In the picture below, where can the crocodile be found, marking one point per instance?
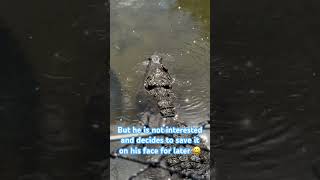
(156, 100)
(158, 83)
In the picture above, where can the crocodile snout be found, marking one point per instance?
(155, 59)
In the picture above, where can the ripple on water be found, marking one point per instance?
(192, 75)
(142, 28)
(258, 132)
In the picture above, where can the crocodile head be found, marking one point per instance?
(158, 84)
(155, 59)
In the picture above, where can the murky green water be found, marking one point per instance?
(180, 32)
(140, 28)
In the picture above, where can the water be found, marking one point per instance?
(266, 74)
(266, 92)
(140, 28)
(265, 129)
(52, 59)
(178, 31)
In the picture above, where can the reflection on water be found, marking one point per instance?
(177, 30)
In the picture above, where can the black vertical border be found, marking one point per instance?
(107, 98)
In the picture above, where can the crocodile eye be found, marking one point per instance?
(149, 59)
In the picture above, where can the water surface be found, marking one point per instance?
(178, 31)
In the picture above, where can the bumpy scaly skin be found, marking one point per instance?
(193, 166)
(158, 83)
(197, 167)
